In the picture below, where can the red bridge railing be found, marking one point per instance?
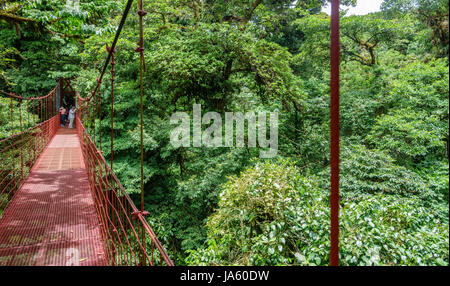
(128, 238)
(18, 153)
(20, 150)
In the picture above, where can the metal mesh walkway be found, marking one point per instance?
(51, 220)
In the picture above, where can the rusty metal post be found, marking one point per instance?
(93, 111)
(113, 62)
(21, 140)
(334, 134)
(99, 84)
(140, 49)
(61, 92)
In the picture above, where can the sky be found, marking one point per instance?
(362, 7)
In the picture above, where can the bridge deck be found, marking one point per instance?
(51, 220)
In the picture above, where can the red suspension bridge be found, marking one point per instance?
(60, 201)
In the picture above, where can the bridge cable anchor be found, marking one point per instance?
(137, 213)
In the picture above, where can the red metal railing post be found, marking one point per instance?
(334, 134)
(140, 49)
(21, 139)
(99, 83)
(113, 62)
(34, 135)
(42, 130)
(94, 110)
(11, 117)
(12, 132)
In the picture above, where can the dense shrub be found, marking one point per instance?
(408, 135)
(369, 172)
(271, 215)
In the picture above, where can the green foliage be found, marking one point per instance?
(369, 172)
(388, 230)
(272, 215)
(407, 135)
(416, 124)
(7, 60)
(437, 175)
(362, 35)
(213, 63)
(10, 123)
(46, 44)
(423, 87)
(432, 13)
(252, 214)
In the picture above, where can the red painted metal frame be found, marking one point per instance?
(15, 96)
(24, 147)
(51, 219)
(334, 134)
(19, 152)
(128, 238)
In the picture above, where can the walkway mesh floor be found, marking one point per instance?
(51, 220)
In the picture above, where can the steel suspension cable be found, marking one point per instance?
(12, 125)
(140, 49)
(113, 62)
(12, 132)
(116, 38)
(94, 110)
(108, 58)
(99, 82)
(21, 139)
(92, 152)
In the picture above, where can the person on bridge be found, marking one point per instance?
(63, 113)
(72, 116)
